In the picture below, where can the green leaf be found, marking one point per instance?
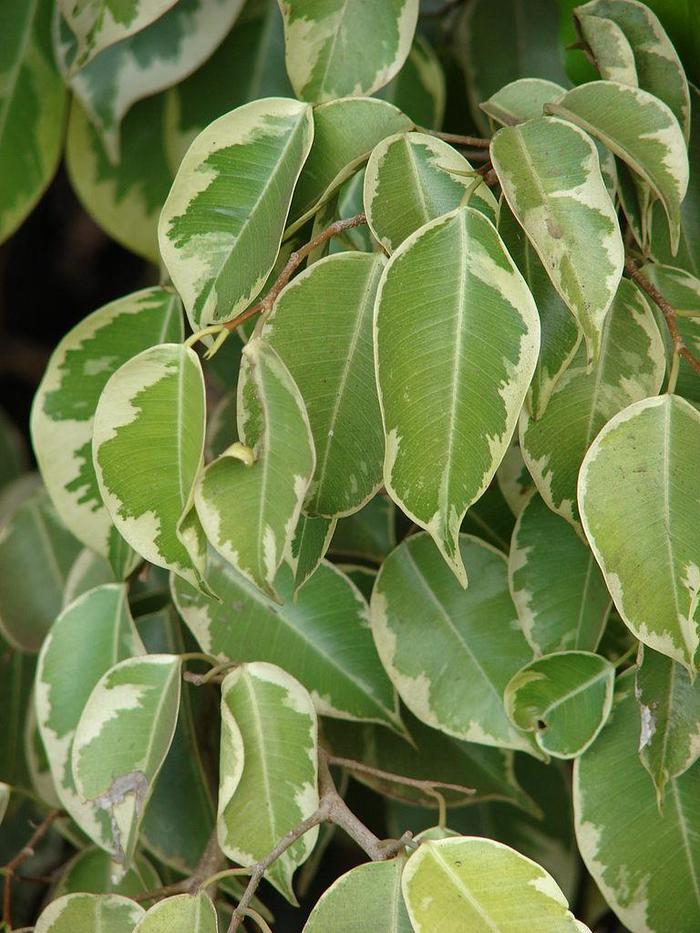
(566, 213)
(345, 132)
(321, 637)
(564, 699)
(268, 727)
(88, 571)
(184, 913)
(219, 259)
(365, 898)
(556, 585)
(669, 705)
(419, 87)
(513, 479)
(32, 110)
(249, 500)
(368, 534)
(16, 684)
(640, 511)
(454, 679)
(641, 130)
(521, 100)
(412, 178)
(646, 864)
(41, 779)
(347, 47)
(607, 45)
(491, 518)
(450, 384)
(64, 406)
(91, 871)
(121, 740)
(308, 547)
(335, 298)
(5, 791)
(484, 887)
(630, 366)
(148, 444)
(78, 913)
(36, 555)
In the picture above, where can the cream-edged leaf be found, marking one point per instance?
(184, 913)
(521, 100)
(308, 547)
(419, 87)
(91, 872)
(80, 913)
(367, 897)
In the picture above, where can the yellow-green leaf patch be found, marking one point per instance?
(80, 913)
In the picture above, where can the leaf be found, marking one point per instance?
(14, 458)
(513, 479)
(560, 335)
(450, 385)
(491, 518)
(143, 64)
(521, 100)
(249, 500)
(368, 534)
(335, 375)
(321, 637)
(419, 87)
(454, 679)
(148, 443)
(412, 178)
(32, 110)
(88, 571)
(641, 130)
(556, 585)
(90, 871)
(308, 547)
(268, 727)
(645, 863)
(366, 897)
(64, 406)
(40, 777)
(219, 259)
(641, 515)
(36, 554)
(16, 684)
(184, 913)
(348, 48)
(5, 791)
(609, 47)
(121, 740)
(630, 366)
(345, 132)
(108, 913)
(483, 885)
(566, 213)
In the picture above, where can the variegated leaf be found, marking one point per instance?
(454, 679)
(91, 872)
(521, 100)
(346, 47)
(121, 740)
(148, 445)
(641, 130)
(609, 47)
(80, 913)
(5, 791)
(184, 913)
(450, 383)
(555, 582)
(419, 87)
(321, 637)
(249, 500)
(412, 178)
(64, 406)
(638, 496)
(269, 726)
(367, 897)
(566, 213)
(308, 547)
(251, 158)
(335, 375)
(630, 366)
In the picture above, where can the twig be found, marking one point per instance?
(476, 142)
(293, 263)
(424, 785)
(10, 870)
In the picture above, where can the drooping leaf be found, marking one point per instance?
(308, 547)
(184, 913)
(630, 366)
(368, 534)
(249, 500)
(108, 913)
(641, 130)
(321, 637)
(367, 897)
(32, 109)
(419, 87)
(484, 886)
(645, 863)
(641, 514)
(148, 444)
(121, 740)
(335, 375)
(347, 47)
(412, 178)
(450, 384)
(90, 871)
(219, 259)
(64, 406)
(521, 100)
(269, 727)
(454, 679)
(566, 213)
(556, 584)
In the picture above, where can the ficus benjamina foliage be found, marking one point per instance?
(359, 585)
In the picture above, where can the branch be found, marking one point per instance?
(293, 263)
(425, 785)
(10, 869)
(679, 347)
(476, 142)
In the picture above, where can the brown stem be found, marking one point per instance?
(668, 312)
(456, 139)
(293, 263)
(424, 785)
(10, 869)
